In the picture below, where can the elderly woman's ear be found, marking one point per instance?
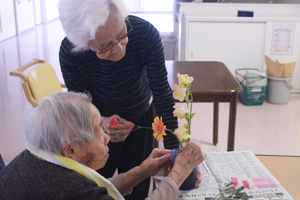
(68, 151)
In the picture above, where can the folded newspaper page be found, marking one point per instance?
(219, 167)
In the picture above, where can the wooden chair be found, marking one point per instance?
(40, 81)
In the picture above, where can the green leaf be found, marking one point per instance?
(193, 115)
(187, 117)
(185, 85)
(185, 140)
(119, 121)
(186, 126)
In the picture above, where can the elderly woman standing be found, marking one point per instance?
(119, 60)
(65, 144)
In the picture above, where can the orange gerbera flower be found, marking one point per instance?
(159, 129)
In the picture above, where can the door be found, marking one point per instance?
(7, 20)
(25, 15)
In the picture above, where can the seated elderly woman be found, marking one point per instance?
(65, 144)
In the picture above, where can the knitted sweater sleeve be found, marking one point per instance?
(117, 181)
(161, 90)
(167, 190)
(69, 67)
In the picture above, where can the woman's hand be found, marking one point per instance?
(119, 132)
(186, 160)
(159, 158)
(198, 177)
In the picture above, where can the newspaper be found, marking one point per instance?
(219, 167)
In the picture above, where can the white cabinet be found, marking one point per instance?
(228, 42)
(7, 20)
(213, 32)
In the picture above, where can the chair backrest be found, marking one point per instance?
(40, 81)
(43, 81)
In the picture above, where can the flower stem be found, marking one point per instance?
(189, 100)
(145, 127)
(136, 128)
(190, 122)
(119, 135)
(139, 127)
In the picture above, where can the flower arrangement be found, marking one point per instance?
(229, 191)
(181, 92)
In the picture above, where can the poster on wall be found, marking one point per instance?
(283, 39)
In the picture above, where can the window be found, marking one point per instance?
(158, 12)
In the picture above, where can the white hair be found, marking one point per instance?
(81, 19)
(59, 119)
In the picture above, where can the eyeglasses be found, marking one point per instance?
(110, 45)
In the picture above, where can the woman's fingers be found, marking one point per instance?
(117, 128)
(198, 177)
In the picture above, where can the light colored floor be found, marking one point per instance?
(268, 129)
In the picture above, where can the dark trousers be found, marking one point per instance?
(130, 153)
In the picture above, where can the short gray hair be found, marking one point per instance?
(59, 119)
(81, 19)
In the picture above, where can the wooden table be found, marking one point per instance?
(214, 83)
(286, 169)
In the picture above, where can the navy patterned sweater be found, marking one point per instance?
(128, 86)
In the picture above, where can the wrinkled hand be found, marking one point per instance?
(186, 160)
(118, 133)
(159, 158)
(198, 177)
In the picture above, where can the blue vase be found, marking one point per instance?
(189, 182)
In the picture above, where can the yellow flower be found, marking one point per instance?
(182, 134)
(179, 111)
(159, 129)
(183, 78)
(179, 92)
